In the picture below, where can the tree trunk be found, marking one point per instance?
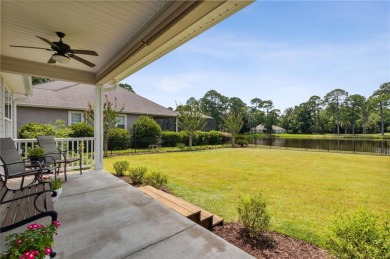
(233, 140)
(353, 128)
(190, 142)
(105, 145)
(382, 119)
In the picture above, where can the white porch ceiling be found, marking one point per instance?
(127, 35)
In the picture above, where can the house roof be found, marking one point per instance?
(259, 127)
(277, 128)
(74, 96)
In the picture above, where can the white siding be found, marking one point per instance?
(6, 110)
(1, 107)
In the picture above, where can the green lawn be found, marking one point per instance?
(305, 190)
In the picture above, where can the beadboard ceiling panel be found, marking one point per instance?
(123, 33)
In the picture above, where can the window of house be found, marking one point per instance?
(121, 122)
(75, 117)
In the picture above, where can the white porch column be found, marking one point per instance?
(177, 124)
(98, 127)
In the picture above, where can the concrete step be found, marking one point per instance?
(207, 219)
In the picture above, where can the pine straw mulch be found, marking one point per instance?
(270, 245)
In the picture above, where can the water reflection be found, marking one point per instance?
(376, 147)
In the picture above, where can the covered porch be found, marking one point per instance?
(104, 217)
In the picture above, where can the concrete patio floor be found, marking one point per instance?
(104, 217)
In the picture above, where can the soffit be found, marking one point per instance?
(127, 35)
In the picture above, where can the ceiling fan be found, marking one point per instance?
(63, 52)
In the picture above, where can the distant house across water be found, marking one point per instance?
(262, 129)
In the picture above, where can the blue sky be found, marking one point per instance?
(284, 51)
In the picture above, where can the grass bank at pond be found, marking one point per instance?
(305, 190)
(335, 136)
(326, 136)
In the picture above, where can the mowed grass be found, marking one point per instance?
(305, 190)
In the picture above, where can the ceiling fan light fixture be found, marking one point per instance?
(63, 59)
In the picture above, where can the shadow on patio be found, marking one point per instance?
(104, 217)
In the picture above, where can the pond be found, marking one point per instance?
(372, 147)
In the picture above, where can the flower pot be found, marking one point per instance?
(40, 159)
(59, 191)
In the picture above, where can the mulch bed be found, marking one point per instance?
(270, 245)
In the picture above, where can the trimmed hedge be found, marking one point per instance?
(145, 132)
(171, 138)
(81, 130)
(118, 139)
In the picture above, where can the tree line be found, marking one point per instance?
(336, 112)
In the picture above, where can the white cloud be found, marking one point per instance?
(286, 73)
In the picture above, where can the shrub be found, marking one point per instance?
(225, 137)
(118, 139)
(121, 167)
(253, 214)
(156, 179)
(181, 146)
(360, 235)
(137, 175)
(202, 137)
(81, 129)
(33, 130)
(215, 137)
(145, 131)
(242, 141)
(171, 138)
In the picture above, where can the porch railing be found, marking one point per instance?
(85, 146)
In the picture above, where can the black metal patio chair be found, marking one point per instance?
(13, 166)
(54, 155)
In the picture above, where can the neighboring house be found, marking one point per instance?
(10, 85)
(261, 129)
(60, 100)
(258, 129)
(278, 130)
(210, 125)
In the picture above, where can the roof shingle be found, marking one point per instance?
(68, 95)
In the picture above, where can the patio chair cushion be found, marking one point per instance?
(10, 156)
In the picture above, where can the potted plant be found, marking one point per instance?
(35, 243)
(56, 185)
(36, 154)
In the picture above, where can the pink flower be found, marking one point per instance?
(48, 250)
(32, 226)
(30, 254)
(57, 224)
(19, 241)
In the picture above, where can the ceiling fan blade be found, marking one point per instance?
(49, 42)
(51, 61)
(15, 46)
(82, 60)
(85, 52)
